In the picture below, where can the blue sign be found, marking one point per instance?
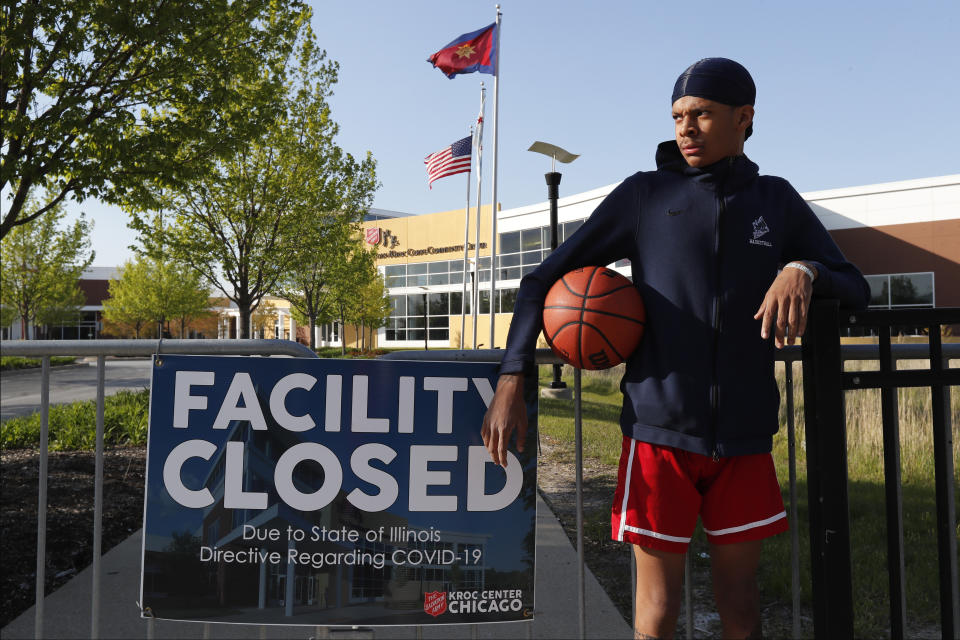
(333, 492)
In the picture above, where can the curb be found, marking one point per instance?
(59, 367)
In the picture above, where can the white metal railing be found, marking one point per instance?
(103, 348)
(44, 349)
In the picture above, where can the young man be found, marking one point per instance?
(725, 260)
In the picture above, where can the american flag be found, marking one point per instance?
(449, 160)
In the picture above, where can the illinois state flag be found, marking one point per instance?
(475, 51)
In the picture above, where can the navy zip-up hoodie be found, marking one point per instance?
(704, 245)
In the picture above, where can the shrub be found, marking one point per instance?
(74, 426)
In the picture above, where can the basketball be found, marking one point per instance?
(593, 318)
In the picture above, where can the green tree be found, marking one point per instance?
(158, 291)
(263, 317)
(372, 307)
(321, 256)
(41, 266)
(244, 225)
(347, 279)
(334, 193)
(110, 99)
(127, 304)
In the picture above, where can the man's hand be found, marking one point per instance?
(786, 302)
(507, 412)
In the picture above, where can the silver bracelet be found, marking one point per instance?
(801, 267)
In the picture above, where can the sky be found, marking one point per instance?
(848, 93)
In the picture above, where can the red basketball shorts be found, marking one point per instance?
(661, 491)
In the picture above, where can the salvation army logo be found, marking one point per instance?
(373, 235)
(435, 602)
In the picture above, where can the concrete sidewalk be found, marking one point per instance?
(67, 611)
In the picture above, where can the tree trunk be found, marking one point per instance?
(343, 333)
(313, 332)
(243, 330)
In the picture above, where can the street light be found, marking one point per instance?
(553, 194)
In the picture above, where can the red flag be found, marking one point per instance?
(475, 51)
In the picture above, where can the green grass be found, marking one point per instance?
(14, 362)
(602, 438)
(73, 426)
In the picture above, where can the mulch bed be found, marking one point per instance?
(70, 496)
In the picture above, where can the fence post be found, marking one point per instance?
(827, 473)
(943, 478)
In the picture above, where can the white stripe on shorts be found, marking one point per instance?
(626, 492)
(744, 527)
(654, 534)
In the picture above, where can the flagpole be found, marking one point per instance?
(466, 249)
(493, 203)
(475, 285)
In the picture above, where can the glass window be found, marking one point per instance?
(456, 278)
(531, 257)
(401, 323)
(879, 290)
(546, 235)
(513, 273)
(901, 290)
(439, 304)
(528, 269)
(437, 267)
(415, 334)
(398, 305)
(439, 334)
(415, 322)
(508, 298)
(395, 275)
(415, 304)
(485, 262)
(439, 278)
(569, 228)
(456, 266)
(456, 299)
(512, 260)
(416, 269)
(485, 275)
(485, 301)
(416, 281)
(510, 242)
(911, 289)
(439, 322)
(530, 239)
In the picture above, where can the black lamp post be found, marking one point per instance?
(553, 194)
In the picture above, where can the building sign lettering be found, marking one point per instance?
(332, 492)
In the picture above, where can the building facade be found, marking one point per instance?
(904, 236)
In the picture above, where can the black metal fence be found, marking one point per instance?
(824, 385)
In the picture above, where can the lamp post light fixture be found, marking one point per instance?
(553, 194)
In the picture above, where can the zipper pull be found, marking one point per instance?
(716, 456)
